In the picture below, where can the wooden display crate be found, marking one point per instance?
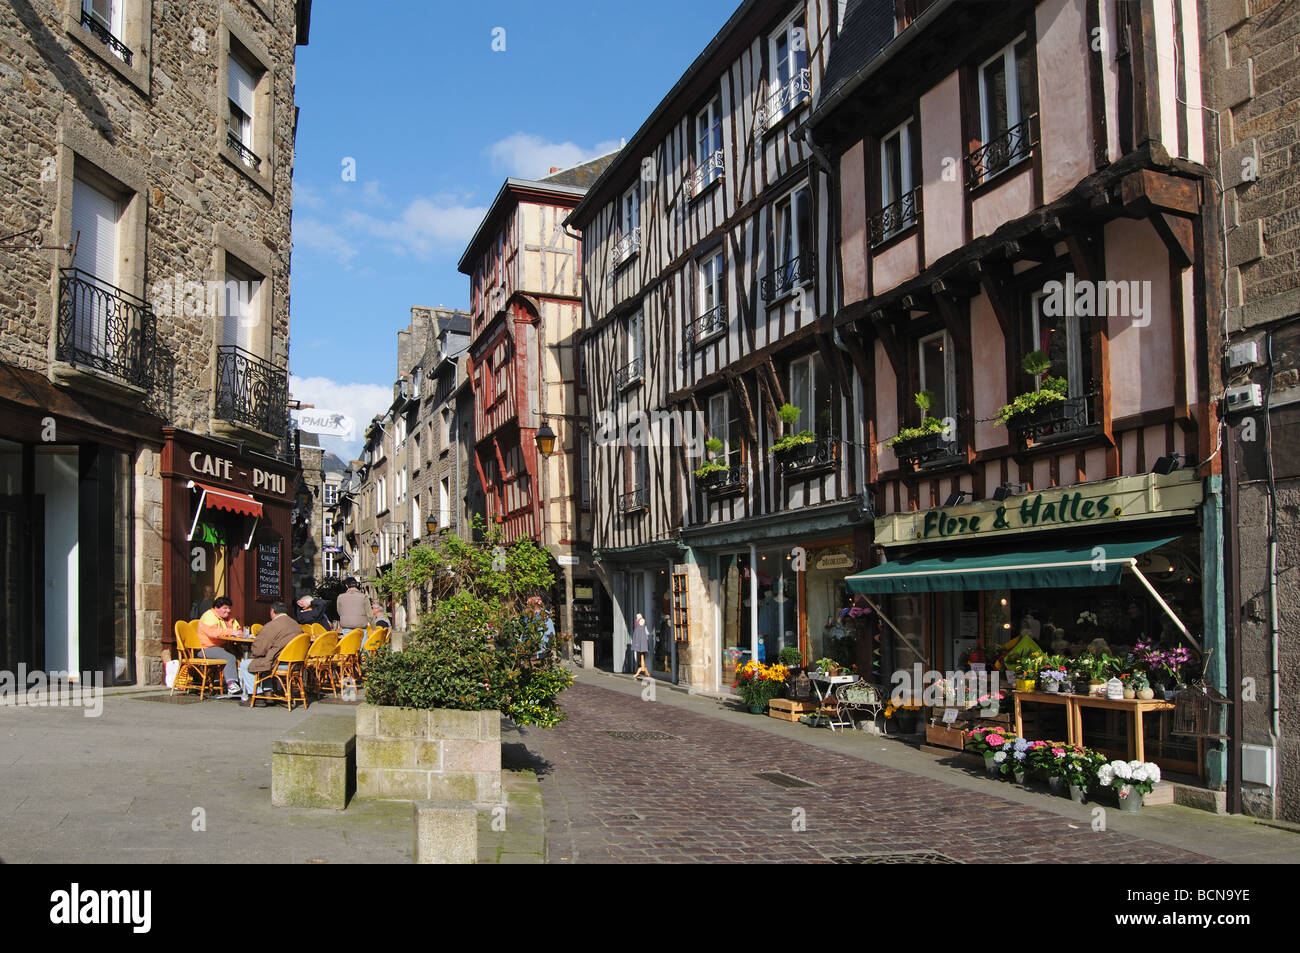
(945, 737)
(789, 709)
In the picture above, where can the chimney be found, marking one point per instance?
(554, 169)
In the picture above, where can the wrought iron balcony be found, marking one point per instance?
(251, 391)
(105, 36)
(720, 483)
(930, 450)
(629, 375)
(787, 276)
(782, 101)
(705, 174)
(246, 155)
(626, 247)
(896, 216)
(821, 454)
(708, 325)
(1003, 152)
(105, 329)
(634, 501)
(1055, 421)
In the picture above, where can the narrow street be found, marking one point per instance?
(675, 781)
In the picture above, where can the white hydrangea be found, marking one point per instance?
(1000, 757)
(1139, 770)
(1122, 770)
(1153, 772)
(1105, 775)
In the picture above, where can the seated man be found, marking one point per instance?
(312, 610)
(214, 626)
(270, 642)
(380, 619)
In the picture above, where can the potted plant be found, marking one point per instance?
(987, 743)
(828, 666)
(791, 441)
(1130, 781)
(1039, 407)
(711, 470)
(926, 441)
(757, 684)
(1089, 670)
(790, 657)
(1078, 766)
(1164, 665)
(1051, 677)
(1049, 762)
(1142, 687)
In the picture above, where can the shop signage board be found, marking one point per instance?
(1090, 504)
(268, 570)
(567, 560)
(835, 561)
(206, 461)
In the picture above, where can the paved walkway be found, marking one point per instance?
(614, 792)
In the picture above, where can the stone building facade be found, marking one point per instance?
(144, 319)
(1250, 64)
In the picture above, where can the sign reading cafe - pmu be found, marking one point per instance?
(1108, 501)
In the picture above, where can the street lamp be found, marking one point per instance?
(546, 446)
(431, 525)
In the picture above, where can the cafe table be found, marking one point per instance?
(1074, 705)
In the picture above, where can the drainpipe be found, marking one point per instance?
(1275, 688)
(753, 601)
(1232, 563)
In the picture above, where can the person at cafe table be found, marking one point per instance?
(270, 642)
(215, 626)
(313, 610)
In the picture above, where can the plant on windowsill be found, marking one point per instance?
(789, 415)
(1052, 391)
(711, 470)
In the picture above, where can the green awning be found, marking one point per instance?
(1046, 567)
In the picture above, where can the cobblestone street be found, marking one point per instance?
(616, 794)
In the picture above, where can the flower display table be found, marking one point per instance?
(1074, 705)
(830, 682)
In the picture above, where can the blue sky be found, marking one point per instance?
(434, 120)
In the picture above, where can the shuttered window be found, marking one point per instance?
(95, 217)
(242, 86)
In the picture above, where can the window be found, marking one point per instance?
(897, 204)
(1064, 339)
(381, 495)
(938, 374)
(708, 144)
(810, 391)
(446, 429)
(444, 503)
(242, 88)
(788, 53)
(711, 277)
(95, 228)
(584, 470)
(329, 565)
(724, 425)
(792, 244)
(633, 351)
(242, 306)
(630, 219)
(104, 19)
(1006, 101)
(331, 494)
(417, 524)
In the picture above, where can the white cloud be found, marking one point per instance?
(319, 236)
(529, 156)
(361, 402)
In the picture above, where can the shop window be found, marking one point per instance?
(681, 608)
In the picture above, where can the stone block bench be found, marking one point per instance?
(446, 832)
(314, 763)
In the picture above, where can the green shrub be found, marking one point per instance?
(790, 657)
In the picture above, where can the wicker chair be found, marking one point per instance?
(287, 673)
(195, 671)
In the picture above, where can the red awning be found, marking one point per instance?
(232, 501)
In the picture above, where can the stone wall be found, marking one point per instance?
(408, 754)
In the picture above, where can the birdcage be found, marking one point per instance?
(1196, 711)
(801, 688)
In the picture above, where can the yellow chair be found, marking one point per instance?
(255, 628)
(317, 630)
(320, 662)
(195, 671)
(347, 657)
(374, 640)
(288, 671)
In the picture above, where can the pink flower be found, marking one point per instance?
(995, 739)
(1058, 751)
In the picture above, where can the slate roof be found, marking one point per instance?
(867, 29)
(583, 174)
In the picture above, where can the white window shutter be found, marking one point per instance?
(241, 87)
(95, 215)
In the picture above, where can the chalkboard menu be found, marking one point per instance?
(268, 570)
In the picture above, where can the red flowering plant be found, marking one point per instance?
(987, 740)
(758, 684)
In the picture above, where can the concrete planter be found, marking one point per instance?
(408, 754)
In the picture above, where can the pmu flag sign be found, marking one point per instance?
(324, 422)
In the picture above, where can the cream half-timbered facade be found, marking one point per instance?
(708, 297)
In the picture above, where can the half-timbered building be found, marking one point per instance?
(1027, 247)
(709, 294)
(526, 282)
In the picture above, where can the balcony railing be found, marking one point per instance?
(633, 501)
(720, 483)
(1002, 152)
(930, 450)
(786, 277)
(1055, 421)
(251, 391)
(626, 247)
(246, 155)
(105, 329)
(708, 325)
(630, 374)
(782, 101)
(896, 216)
(105, 36)
(822, 454)
(705, 174)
